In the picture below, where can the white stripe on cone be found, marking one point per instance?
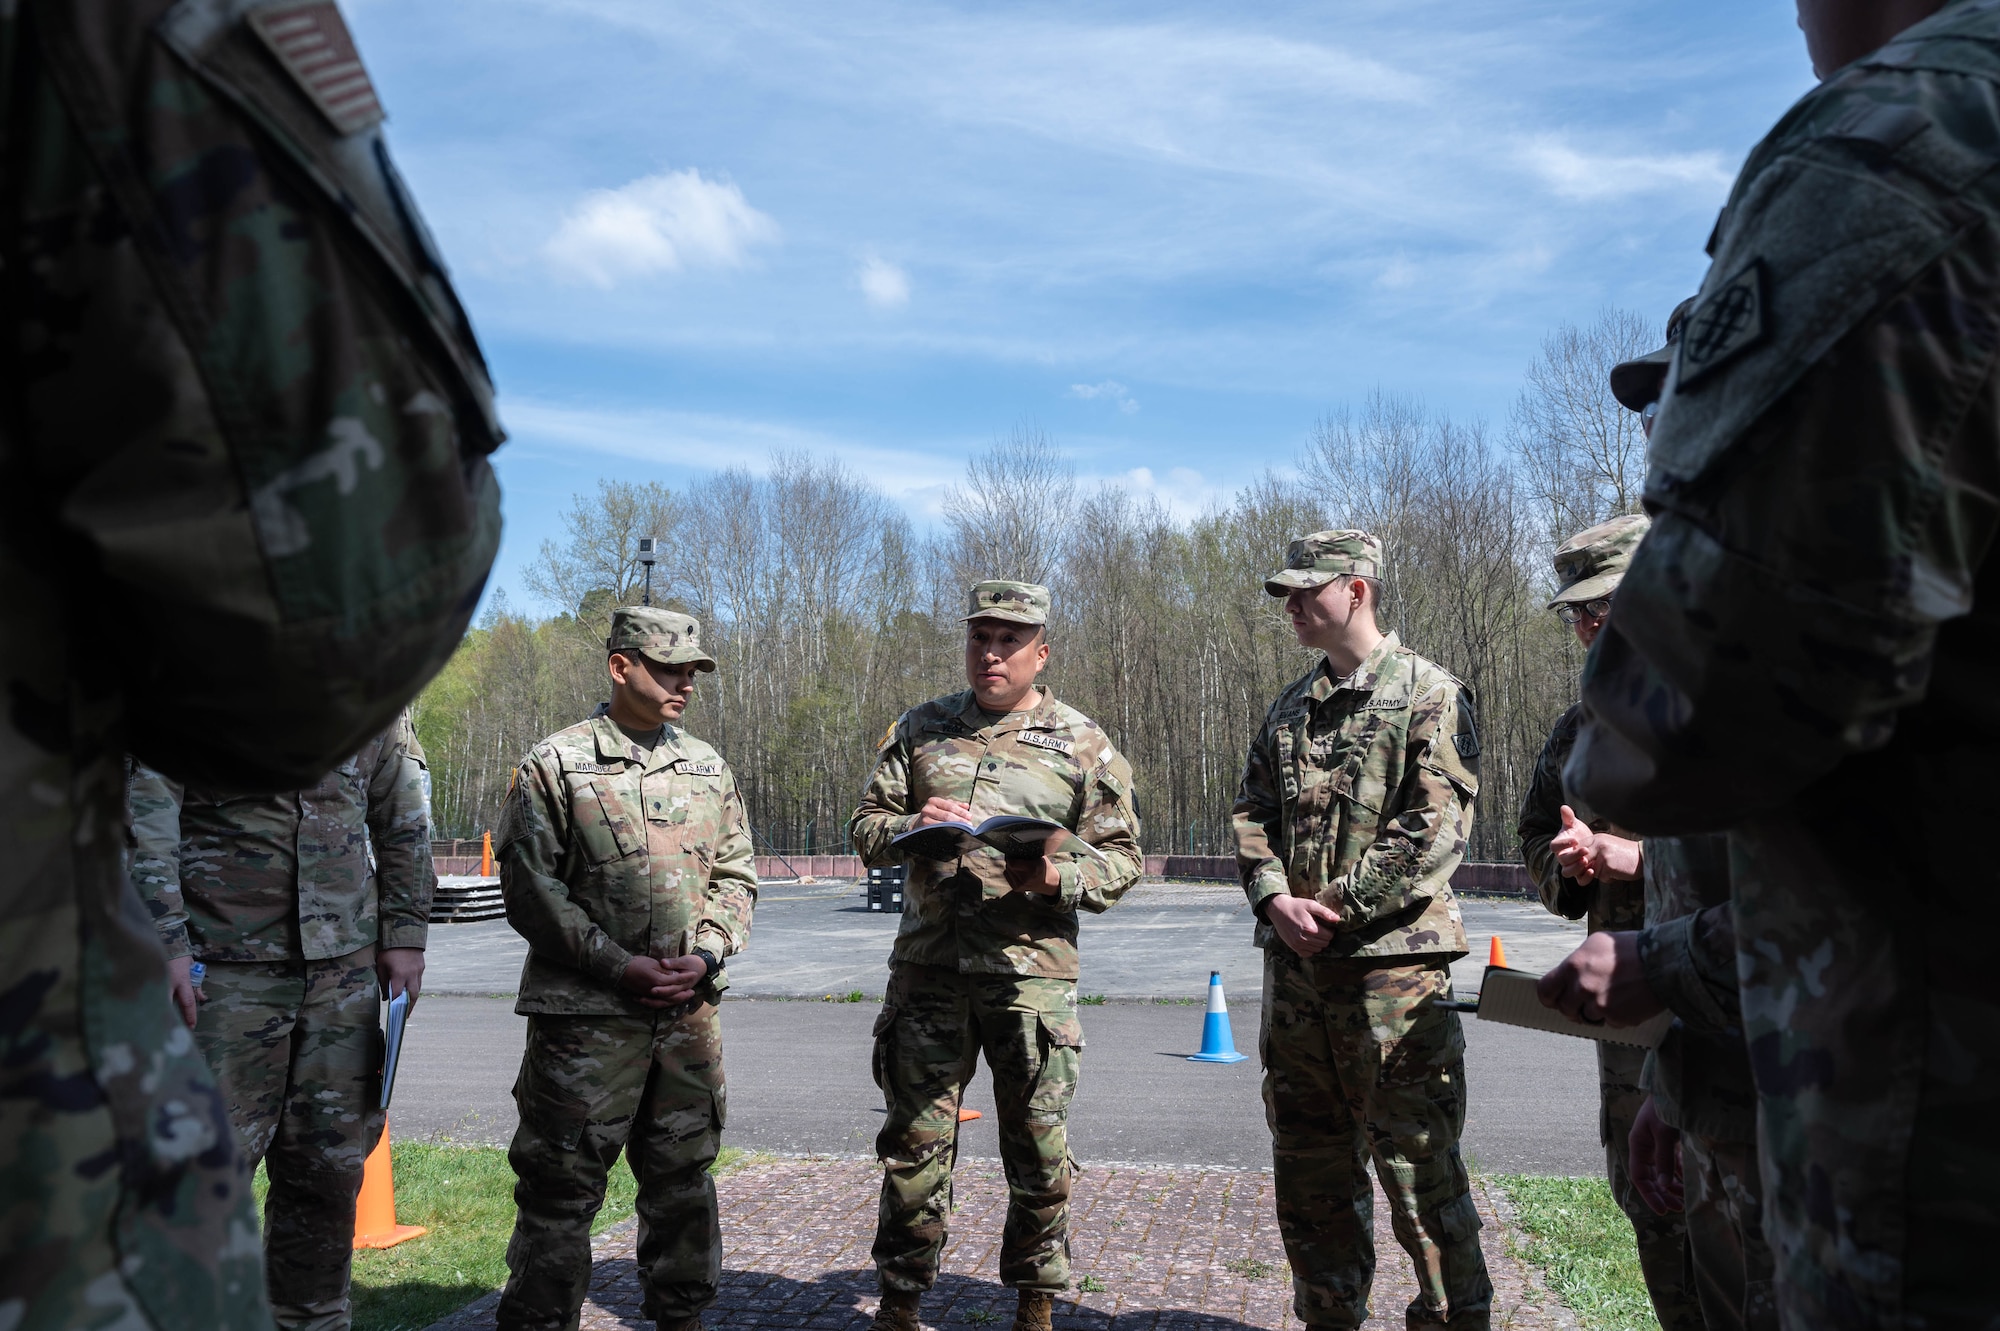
(1216, 1002)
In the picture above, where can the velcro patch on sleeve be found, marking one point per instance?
(1725, 325)
(1043, 740)
(311, 41)
(1467, 744)
(689, 767)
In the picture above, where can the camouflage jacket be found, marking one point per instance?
(1050, 762)
(309, 875)
(1699, 1074)
(1359, 793)
(1819, 450)
(243, 450)
(1609, 904)
(608, 851)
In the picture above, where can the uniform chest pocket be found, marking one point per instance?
(606, 828)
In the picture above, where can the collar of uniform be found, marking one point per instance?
(1042, 716)
(613, 743)
(1365, 677)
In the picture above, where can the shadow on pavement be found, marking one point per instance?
(753, 1298)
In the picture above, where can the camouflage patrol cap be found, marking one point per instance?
(1591, 562)
(662, 635)
(1640, 381)
(1315, 560)
(1015, 602)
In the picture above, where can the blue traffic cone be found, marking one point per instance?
(1217, 1044)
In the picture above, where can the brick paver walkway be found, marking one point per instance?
(1153, 1248)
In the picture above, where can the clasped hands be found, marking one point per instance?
(1588, 856)
(1032, 874)
(663, 982)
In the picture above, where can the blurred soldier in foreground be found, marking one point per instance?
(1802, 652)
(1354, 809)
(1585, 865)
(275, 895)
(985, 960)
(1693, 1149)
(244, 514)
(625, 862)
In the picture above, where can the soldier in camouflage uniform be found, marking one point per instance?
(276, 895)
(1355, 806)
(625, 861)
(1586, 866)
(244, 514)
(1802, 653)
(986, 959)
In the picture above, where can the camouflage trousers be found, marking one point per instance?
(933, 1026)
(297, 1046)
(590, 1087)
(1662, 1239)
(1874, 1038)
(123, 1199)
(1358, 1062)
(1724, 1205)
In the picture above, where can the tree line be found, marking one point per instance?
(830, 614)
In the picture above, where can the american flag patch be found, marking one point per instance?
(312, 42)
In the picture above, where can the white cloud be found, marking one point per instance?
(1109, 391)
(1575, 174)
(886, 286)
(1183, 491)
(658, 224)
(702, 441)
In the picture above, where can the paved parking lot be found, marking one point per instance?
(798, 1070)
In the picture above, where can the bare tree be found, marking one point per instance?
(1013, 516)
(597, 568)
(1582, 454)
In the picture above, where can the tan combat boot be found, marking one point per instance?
(1037, 1306)
(898, 1311)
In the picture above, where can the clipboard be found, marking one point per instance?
(392, 1043)
(1508, 997)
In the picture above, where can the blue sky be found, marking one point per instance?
(1171, 235)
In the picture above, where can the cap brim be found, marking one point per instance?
(1286, 582)
(1006, 616)
(1637, 382)
(1590, 589)
(699, 660)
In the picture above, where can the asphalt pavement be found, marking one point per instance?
(798, 1068)
(1161, 941)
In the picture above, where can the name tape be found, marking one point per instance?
(1042, 740)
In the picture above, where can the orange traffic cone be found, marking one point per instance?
(486, 855)
(375, 1211)
(1496, 955)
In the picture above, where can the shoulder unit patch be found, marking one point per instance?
(312, 42)
(1727, 323)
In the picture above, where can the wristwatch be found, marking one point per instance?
(710, 960)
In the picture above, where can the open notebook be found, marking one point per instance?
(1509, 996)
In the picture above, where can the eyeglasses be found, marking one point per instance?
(1597, 609)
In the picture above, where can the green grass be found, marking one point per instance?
(1091, 1000)
(1574, 1231)
(465, 1194)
